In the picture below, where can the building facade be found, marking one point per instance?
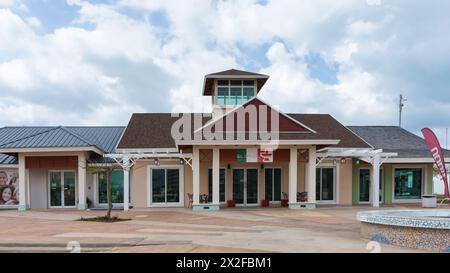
(244, 153)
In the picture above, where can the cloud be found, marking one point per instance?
(115, 58)
(33, 22)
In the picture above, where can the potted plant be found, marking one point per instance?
(231, 203)
(265, 203)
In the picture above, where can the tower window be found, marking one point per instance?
(234, 92)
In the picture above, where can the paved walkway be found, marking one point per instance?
(326, 229)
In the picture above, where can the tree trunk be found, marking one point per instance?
(108, 193)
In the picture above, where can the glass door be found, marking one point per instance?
(252, 187)
(245, 186)
(273, 184)
(364, 186)
(55, 189)
(325, 184)
(69, 189)
(165, 188)
(62, 189)
(238, 186)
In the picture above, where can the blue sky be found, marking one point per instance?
(81, 62)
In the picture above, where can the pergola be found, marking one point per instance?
(127, 160)
(374, 157)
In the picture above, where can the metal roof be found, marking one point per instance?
(8, 160)
(394, 139)
(104, 138)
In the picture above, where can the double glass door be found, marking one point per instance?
(245, 186)
(62, 189)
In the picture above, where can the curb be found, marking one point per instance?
(90, 245)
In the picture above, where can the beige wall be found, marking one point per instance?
(345, 183)
(139, 184)
(140, 178)
(139, 181)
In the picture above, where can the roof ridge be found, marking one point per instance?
(77, 136)
(32, 135)
(82, 138)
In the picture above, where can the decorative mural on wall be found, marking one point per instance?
(9, 187)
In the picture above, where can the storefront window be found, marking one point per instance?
(165, 186)
(408, 183)
(116, 188)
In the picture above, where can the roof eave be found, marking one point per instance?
(260, 142)
(52, 149)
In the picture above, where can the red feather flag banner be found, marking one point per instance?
(436, 152)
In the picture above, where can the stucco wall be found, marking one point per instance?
(345, 183)
(38, 188)
(139, 179)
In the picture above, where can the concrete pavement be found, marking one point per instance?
(326, 229)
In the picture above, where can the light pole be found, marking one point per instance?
(400, 107)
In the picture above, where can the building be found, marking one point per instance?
(244, 153)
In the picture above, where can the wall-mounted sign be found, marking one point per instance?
(254, 155)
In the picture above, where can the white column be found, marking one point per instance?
(126, 185)
(216, 176)
(196, 175)
(293, 176)
(311, 179)
(82, 181)
(376, 181)
(22, 183)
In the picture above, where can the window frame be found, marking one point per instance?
(149, 189)
(423, 184)
(225, 184)
(273, 188)
(97, 191)
(237, 101)
(335, 183)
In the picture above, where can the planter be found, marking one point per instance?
(284, 202)
(429, 201)
(231, 203)
(265, 203)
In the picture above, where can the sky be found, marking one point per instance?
(75, 62)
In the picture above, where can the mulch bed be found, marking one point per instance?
(103, 219)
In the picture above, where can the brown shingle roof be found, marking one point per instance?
(328, 127)
(235, 72)
(153, 131)
(209, 79)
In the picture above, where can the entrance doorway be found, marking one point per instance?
(364, 186)
(62, 189)
(245, 187)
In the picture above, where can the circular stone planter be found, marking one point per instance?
(422, 229)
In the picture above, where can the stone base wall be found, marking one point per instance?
(420, 238)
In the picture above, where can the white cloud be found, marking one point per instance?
(110, 62)
(7, 3)
(373, 2)
(343, 53)
(33, 22)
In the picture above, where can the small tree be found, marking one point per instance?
(107, 169)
